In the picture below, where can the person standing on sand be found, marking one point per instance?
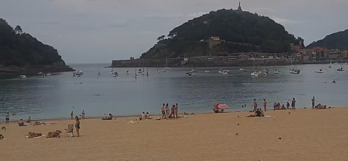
(313, 102)
(7, 117)
(264, 104)
(176, 110)
(163, 111)
(83, 114)
(293, 103)
(255, 105)
(172, 112)
(72, 114)
(77, 125)
(287, 105)
(167, 111)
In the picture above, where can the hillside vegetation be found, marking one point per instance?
(338, 40)
(21, 51)
(239, 31)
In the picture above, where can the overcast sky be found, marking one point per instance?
(97, 31)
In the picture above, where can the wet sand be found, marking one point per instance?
(303, 134)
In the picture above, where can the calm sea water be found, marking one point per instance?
(57, 95)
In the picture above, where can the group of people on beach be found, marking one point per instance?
(82, 115)
(169, 113)
(144, 116)
(276, 106)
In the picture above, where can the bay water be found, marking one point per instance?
(98, 92)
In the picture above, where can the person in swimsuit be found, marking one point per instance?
(163, 111)
(77, 125)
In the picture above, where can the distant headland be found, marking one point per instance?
(231, 38)
(20, 53)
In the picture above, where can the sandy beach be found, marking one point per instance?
(302, 134)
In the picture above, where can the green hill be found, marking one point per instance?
(338, 40)
(22, 53)
(239, 31)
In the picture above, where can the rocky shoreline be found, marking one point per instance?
(13, 71)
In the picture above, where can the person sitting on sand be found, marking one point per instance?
(283, 107)
(107, 117)
(319, 106)
(216, 109)
(110, 116)
(21, 123)
(142, 116)
(258, 113)
(147, 116)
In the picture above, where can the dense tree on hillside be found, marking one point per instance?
(251, 31)
(21, 49)
(338, 40)
(18, 29)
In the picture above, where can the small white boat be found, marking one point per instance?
(254, 74)
(224, 71)
(276, 71)
(190, 73)
(340, 69)
(77, 73)
(319, 71)
(127, 72)
(23, 76)
(295, 71)
(194, 70)
(242, 70)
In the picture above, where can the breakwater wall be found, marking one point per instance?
(212, 61)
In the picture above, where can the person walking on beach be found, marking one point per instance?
(7, 117)
(293, 103)
(264, 104)
(77, 125)
(255, 105)
(163, 111)
(313, 102)
(72, 114)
